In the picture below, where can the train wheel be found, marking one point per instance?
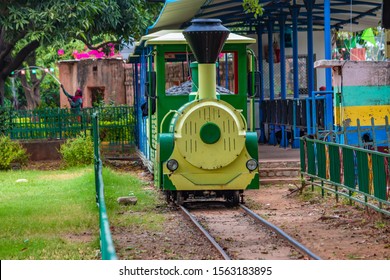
(167, 195)
(233, 198)
(179, 198)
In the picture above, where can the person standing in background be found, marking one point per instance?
(76, 101)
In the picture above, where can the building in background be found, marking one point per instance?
(107, 80)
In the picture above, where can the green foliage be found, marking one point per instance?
(11, 153)
(5, 120)
(252, 6)
(78, 151)
(27, 25)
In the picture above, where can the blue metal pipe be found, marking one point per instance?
(271, 61)
(272, 136)
(259, 31)
(282, 22)
(295, 13)
(310, 51)
(308, 116)
(328, 71)
(283, 93)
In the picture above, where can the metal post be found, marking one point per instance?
(374, 134)
(226, 71)
(328, 71)
(259, 31)
(310, 75)
(328, 43)
(271, 60)
(282, 22)
(295, 12)
(308, 117)
(272, 136)
(387, 133)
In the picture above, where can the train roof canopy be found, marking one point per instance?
(178, 38)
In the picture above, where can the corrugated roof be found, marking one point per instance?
(174, 12)
(349, 15)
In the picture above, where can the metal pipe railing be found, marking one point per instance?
(107, 248)
(363, 173)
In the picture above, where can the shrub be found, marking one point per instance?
(11, 152)
(78, 151)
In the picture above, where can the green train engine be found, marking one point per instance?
(200, 145)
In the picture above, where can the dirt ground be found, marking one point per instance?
(331, 231)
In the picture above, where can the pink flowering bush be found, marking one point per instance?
(86, 53)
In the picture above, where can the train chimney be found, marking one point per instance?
(206, 38)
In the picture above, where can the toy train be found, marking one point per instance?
(197, 141)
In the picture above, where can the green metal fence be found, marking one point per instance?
(360, 175)
(107, 248)
(117, 124)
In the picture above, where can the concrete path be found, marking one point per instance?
(269, 153)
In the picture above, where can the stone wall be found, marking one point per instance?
(43, 149)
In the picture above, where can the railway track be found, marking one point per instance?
(239, 233)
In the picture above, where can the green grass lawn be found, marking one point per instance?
(51, 216)
(54, 215)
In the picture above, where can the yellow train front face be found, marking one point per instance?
(211, 149)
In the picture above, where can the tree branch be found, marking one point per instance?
(102, 45)
(20, 57)
(37, 81)
(4, 51)
(25, 84)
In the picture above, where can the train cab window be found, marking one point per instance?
(178, 75)
(226, 73)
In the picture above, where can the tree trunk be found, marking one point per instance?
(31, 90)
(9, 62)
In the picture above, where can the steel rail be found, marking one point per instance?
(206, 234)
(284, 235)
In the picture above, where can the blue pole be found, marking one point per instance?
(141, 101)
(310, 52)
(259, 31)
(272, 136)
(328, 43)
(137, 105)
(282, 21)
(271, 61)
(295, 13)
(328, 71)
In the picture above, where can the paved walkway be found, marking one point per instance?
(268, 153)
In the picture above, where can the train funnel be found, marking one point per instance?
(206, 38)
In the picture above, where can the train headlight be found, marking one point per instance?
(252, 164)
(172, 164)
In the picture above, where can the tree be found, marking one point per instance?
(25, 25)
